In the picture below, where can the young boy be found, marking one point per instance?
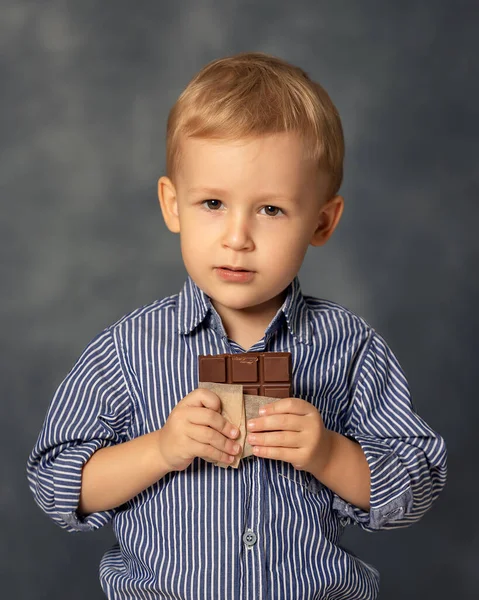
(254, 164)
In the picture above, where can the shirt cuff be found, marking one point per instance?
(391, 496)
(67, 475)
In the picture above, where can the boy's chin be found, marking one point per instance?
(236, 299)
(242, 301)
(233, 303)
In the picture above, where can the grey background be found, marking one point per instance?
(85, 92)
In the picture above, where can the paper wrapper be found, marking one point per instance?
(237, 409)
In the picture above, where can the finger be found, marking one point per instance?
(203, 397)
(292, 406)
(281, 422)
(276, 453)
(210, 418)
(211, 454)
(282, 439)
(207, 435)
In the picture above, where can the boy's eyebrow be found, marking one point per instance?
(218, 192)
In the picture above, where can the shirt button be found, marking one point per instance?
(249, 538)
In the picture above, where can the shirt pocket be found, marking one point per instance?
(306, 482)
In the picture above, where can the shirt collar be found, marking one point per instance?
(194, 305)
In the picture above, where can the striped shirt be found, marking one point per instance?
(264, 530)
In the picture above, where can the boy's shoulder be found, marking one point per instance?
(323, 311)
(147, 311)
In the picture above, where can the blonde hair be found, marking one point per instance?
(254, 94)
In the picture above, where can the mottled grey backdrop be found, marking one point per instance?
(85, 91)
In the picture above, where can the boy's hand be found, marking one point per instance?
(291, 430)
(194, 428)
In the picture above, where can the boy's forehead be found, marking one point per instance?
(275, 160)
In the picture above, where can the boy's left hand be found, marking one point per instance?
(291, 430)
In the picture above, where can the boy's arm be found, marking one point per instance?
(116, 474)
(406, 458)
(91, 410)
(343, 468)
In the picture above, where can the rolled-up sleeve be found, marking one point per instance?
(90, 410)
(406, 458)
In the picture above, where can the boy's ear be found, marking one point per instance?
(169, 204)
(329, 216)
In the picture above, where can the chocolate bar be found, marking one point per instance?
(240, 380)
(260, 373)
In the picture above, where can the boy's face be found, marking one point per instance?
(253, 204)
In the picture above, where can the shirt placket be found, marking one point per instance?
(253, 555)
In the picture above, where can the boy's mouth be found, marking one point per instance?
(234, 274)
(229, 268)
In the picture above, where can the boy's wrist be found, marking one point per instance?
(342, 467)
(163, 466)
(324, 456)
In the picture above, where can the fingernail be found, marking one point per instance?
(251, 424)
(262, 411)
(236, 448)
(234, 431)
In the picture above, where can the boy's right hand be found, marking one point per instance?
(195, 427)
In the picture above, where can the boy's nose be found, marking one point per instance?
(237, 234)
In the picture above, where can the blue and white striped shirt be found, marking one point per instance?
(264, 530)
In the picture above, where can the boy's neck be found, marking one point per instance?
(246, 327)
(246, 334)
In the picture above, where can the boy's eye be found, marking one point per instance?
(271, 211)
(212, 204)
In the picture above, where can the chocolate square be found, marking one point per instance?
(244, 368)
